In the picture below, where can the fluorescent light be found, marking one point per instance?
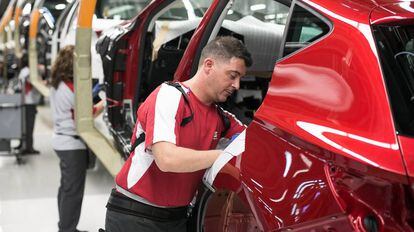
(230, 12)
(60, 6)
(271, 16)
(27, 8)
(257, 7)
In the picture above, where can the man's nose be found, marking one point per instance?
(236, 84)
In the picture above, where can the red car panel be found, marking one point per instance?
(322, 152)
(134, 49)
(391, 12)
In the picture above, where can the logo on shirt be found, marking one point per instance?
(215, 136)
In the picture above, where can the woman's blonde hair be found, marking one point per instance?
(62, 69)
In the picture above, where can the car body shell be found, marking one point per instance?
(334, 162)
(322, 151)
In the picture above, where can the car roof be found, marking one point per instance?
(357, 5)
(384, 2)
(350, 10)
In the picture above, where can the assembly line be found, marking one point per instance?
(207, 115)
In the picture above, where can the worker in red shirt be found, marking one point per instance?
(178, 129)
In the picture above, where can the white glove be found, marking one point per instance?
(235, 148)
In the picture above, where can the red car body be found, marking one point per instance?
(325, 151)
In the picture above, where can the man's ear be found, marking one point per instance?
(208, 64)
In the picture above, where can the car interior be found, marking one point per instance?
(167, 37)
(171, 34)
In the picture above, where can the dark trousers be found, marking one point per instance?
(120, 222)
(30, 115)
(73, 164)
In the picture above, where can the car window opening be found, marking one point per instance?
(396, 50)
(304, 29)
(261, 29)
(119, 9)
(167, 39)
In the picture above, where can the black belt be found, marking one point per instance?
(123, 204)
(74, 136)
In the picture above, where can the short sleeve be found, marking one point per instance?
(159, 120)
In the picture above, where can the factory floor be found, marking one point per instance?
(28, 191)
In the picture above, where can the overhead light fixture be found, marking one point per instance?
(230, 12)
(257, 7)
(60, 6)
(27, 8)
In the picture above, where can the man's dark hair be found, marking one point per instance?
(226, 47)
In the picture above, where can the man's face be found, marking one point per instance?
(225, 77)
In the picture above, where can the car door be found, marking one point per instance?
(140, 55)
(260, 25)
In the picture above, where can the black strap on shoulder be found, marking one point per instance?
(138, 141)
(225, 119)
(177, 85)
(186, 120)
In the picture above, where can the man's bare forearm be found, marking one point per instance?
(171, 158)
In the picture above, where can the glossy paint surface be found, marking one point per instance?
(322, 152)
(391, 13)
(337, 101)
(290, 186)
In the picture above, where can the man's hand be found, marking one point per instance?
(235, 148)
(237, 145)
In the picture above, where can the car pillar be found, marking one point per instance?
(33, 62)
(17, 14)
(100, 146)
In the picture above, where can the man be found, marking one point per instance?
(182, 126)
